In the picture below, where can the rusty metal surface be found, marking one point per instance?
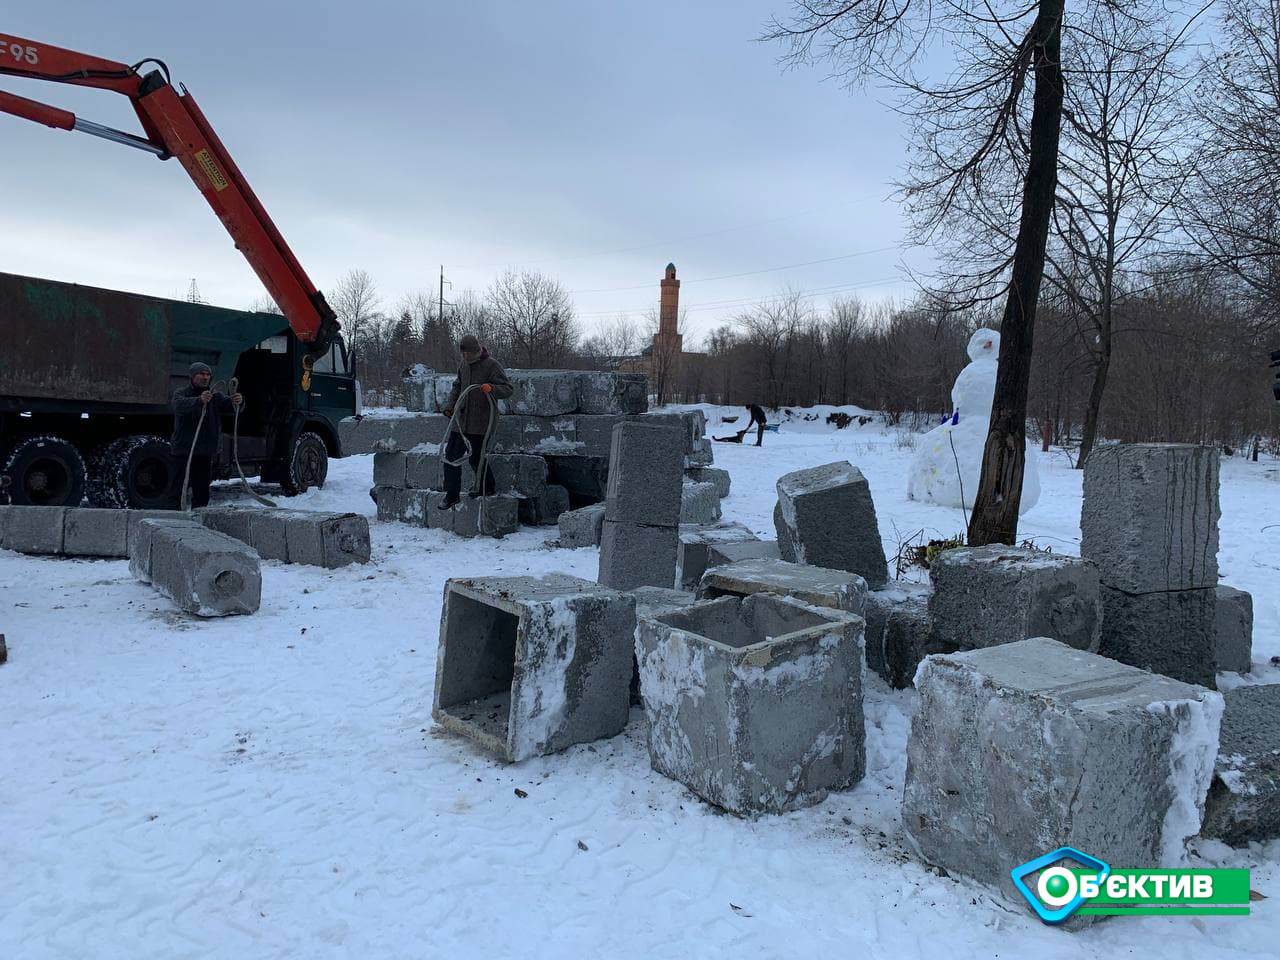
(68, 342)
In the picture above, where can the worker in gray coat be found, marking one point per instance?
(473, 418)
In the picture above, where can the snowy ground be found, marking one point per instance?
(273, 786)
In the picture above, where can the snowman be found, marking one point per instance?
(948, 460)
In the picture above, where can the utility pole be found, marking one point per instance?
(440, 310)
(193, 293)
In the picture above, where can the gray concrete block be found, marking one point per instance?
(235, 522)
(35, 530)
(899, 635)
(652, 601)
(581, 527)
(544, 509)
(1243, 805)
(204, 572)
(422, 470)
(529, 666)
(1233, 627)
(133, 518)
(722, 553)
(370, 434)
(1150, 516)
(699, 503)
(634, 555)
(594, 435)
(818, 586)
(714, 475)
(494, 516)
(543, 393)
(694, 548)
(541, 435)
(984, 596)
(1018, 749)
(645, 475)
(141, 533)
(269, 535)
(396, 505)
(612, 393)
(389, 469)
(702, 454)
(754, 704)
(586, 478)
(1172, 633)
(827, 519)
(688, 423)
(89, 532)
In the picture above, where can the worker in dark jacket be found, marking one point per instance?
(201, 447)
(757, 417)
(473, 418)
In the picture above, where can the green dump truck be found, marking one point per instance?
(86, 377)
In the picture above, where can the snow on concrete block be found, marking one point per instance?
(1018, 749)
(89, 532)
(494, 516)
(694, 548)
(612, 393)
(1150, 516)
(543, 393)
(141, 533)
(699, 503)
(1233, 627)
(36, 530)
(636, 555)
(1173, 633)
(1243, 805)
(702, 454)
(754, 704)
(899, 633)
(397, 505)
(371, 434)
(818, 586)
(389, 469)
(529, 666)
(719, 554)
(826, 518)
(711, 475)
(984, 596)
(204, 572)
(541, 435)
(581, 527)
(646, 475)
(544, 509)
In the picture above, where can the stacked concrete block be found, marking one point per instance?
(642, 508)
(612, 393)
(586, 478)
(34, 530)
(984, 596)
(529, 666)
(818, 586)
(369, 434)
(1233, 629)
(389, 468)
(581, 527)
(695, 545)
(92, 532)
(702, 454)
(699, 503)
(542, 393)
(825, 517)
(494, 516)
(1021, 748)
(308, 537)
(899, 634)
(754, 704)
(1150, 523)
(714, 475)
(1243, 805)
(424, 469)
(203, 572)
(545, 508)
(652, 601)
(719, 554)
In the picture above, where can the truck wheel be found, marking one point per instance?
(146, 475)
(100, 484)
(307, 467)
(47, 472)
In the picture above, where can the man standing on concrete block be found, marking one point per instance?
(475, 422)
(197, 428)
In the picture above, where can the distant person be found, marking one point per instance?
(196, 438)
(473, 419)
(757, 417)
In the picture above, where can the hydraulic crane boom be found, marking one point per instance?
(174, 126)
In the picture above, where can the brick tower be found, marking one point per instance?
(668, 341)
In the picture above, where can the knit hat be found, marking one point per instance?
(198, 367)
(469, 344)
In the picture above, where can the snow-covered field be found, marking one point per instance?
(273, 786)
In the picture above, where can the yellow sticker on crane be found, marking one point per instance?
(211, 170)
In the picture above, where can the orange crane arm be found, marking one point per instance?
(174, 126)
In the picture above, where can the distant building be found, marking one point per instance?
(663, 360)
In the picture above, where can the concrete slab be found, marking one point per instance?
(34, 530)
(141, 533)
(693, 550)
(722, 553)
(545, 508)
(494, 516)
(818, 586)
(1233, 627)
(89, 532)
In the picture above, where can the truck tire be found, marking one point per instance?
(146, 474)
(307, 467)
(45, 471)
(100, 482)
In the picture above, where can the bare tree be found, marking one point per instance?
(770, 328)
(664, 355)
(535, 315)
(355, 300)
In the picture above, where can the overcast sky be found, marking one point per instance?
(594, 141)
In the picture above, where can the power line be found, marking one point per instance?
(724, 304)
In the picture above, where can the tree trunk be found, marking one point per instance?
(1100, 370)
(995, 509)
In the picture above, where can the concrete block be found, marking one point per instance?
(141, 533)
(396, 505)
(612, 393)
(35, 530)
(581, 527)
(1150, 516)
(898, 631)
(389, 469)
(529, 666)
(984, 596)
(371, 434)
(711, 475)
(754, 704)
(1233, 627)
(544, 509)
(586, 478)
(722, 553)
(652, 601)
(541, 435)
(269, 534)
(1243, 805)
(422, 470)
(235, 522)
(133, 519)
(818, 586)
(690, 423)
(204, 572)
(1172, 633)
(635, 555)
(702, 454)
(694, 548)
(1018, 749)
(595, 436)
(543, 393)
(826, 518)
(645, 475)
(494, 516)
(699, 503)
(88, 532)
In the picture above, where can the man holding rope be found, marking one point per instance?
(197, 428)
(472, 431)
